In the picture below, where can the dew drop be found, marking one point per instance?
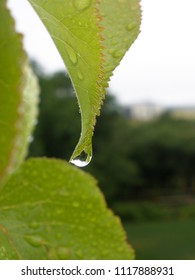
(111, 51)
(81, 5)
(72, 55)
(79, 254)
(34, 225)
(119, 249)
(63, 253)
(80, 75)
(34, 240)
(75, 204)
(105, 253)
(3, 253)
(63, 192)
(126, 39)
(117, 54)
(82, 160)
(130, 26)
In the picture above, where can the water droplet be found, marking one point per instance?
(34, 225)
(80, 75)
(82, 160)
(3, 253)
(72, 55)
(60, 211)
(105, 253)
(119, 249)
(82, 4)
(75, 204)
(126, 39)
(93, 219)
(111, 51)
(63, 253)
(79, 254)
(130, 26)
(89, 206)
(63, 192)
(117, 54)
(34, 240)
(58, 236)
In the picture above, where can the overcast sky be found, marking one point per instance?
(159, 67)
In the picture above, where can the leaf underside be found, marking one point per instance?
(52, 210)
(18, 88)
(92, 36)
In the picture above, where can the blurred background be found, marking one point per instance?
(144, 141)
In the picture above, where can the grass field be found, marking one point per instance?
(171, 240)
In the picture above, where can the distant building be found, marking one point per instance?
(144, 111)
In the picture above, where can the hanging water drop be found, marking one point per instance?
(82, 160)
(82, 4)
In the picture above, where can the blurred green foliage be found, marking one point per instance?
(167, 240)
(133, 161)
(142, 211)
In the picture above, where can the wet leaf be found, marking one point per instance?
(120, 22)
(92, 37)
(51, 210)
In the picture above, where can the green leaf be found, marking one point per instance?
(72, 26)
(51, 210)
(120, 22)
(18, 86)
(91, 36)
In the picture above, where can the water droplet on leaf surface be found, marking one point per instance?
(82, 160)
(80, 75)
(75, 204)
(63, 253)
(72, 55)
(82, 4)
(130, 26)
(34, 225)
(34, 240)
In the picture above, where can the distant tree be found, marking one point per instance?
(164, 150)
(58, 126)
